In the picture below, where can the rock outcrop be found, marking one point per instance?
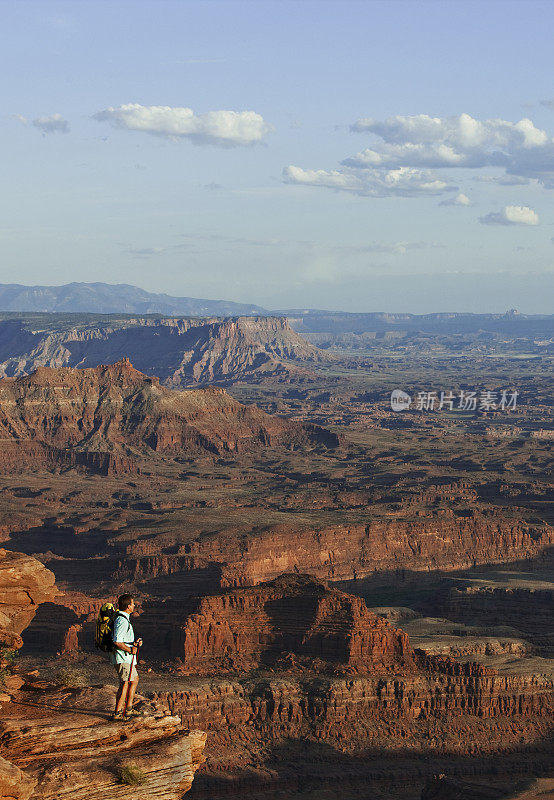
(57, 744)
(443, 787)
(182, 352)
(295, 620)
(70, 749)
(100, 417)
(24, 584)
(343, 552)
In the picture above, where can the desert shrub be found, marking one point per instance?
(132, 775)
(72, 677)
(8, 655)
(7, 659)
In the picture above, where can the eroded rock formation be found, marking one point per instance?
(294, 618)
(182, 352)
(24, 584)
(100, 417)
(344, 552)
(323, 698)
(70, 749)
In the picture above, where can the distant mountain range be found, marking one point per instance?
(440, 323)
(121, 298)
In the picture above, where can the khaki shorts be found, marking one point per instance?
(123, 671)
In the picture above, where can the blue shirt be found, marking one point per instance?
(122, 632)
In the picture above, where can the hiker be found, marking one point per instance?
(124, 657)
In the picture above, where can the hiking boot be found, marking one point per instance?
(132, 713)
(117, 717)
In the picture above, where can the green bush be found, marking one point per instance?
(8, 654)
(132, 775)
(7, 659)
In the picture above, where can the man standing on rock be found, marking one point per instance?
(123, 656)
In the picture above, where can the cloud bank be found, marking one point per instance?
(511, 215)
(220, 128)
(407, 153)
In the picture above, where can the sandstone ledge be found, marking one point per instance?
(73, 754)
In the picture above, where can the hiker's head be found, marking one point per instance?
(126, 603)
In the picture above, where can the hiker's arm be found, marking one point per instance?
(128, 648)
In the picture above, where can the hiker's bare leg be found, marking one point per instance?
(121, 696)
(131, 693)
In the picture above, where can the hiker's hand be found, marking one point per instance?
(134, 650)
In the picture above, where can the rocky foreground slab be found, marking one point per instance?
(61, 744)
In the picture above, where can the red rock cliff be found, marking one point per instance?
(24, 584)
(294, 617)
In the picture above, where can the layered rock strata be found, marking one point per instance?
(101, 417)
(80, 755)
(355, 551)
(182, 352)
(341, 552)
(313, 671)
(288, 734)
(293, 617)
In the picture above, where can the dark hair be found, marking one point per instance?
(124, 601)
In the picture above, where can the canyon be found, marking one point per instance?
(347, 601)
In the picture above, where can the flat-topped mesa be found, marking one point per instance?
(293, 620)
(182, 352)
(118, 410)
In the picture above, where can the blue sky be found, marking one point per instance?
(374, 158)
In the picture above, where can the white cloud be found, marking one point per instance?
(222, 128)
(511, 215)
(462, 133)
(53, 124)
(519, 148)
(407, 151)
(460, 200)
(402, 182)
